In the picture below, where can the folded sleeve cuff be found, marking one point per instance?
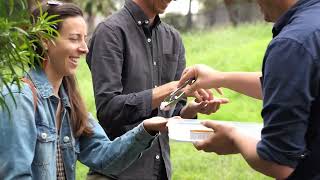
(269, 152)
(142, 136)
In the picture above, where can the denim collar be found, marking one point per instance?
(138, 15)
(286, 18)
(44, 87)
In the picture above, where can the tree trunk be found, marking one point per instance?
(189, 17)
(232, 11)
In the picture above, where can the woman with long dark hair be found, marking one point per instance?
(49, 128)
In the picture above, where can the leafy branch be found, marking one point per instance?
(19, 40)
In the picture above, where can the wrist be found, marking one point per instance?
(233, 135)
(173, 85)
(149, 131)
(221, 79)
(188, 112)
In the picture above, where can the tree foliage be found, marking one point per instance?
(18, 37)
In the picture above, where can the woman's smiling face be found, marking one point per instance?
(65, 51)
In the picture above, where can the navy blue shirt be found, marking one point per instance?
(290, 85)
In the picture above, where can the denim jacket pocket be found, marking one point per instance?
(45, 146)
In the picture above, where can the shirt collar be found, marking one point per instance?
(44, 87)
(286, 17)
(138, 15)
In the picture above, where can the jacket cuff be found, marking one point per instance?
(142, 136)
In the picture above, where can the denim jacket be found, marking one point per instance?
(28, 139)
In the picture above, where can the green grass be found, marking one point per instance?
(225, 49)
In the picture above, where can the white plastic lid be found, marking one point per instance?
(190, 130)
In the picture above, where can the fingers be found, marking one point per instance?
(204, 144)
(211, 107)
(209, 93)
(188, 73)
(206, 94)
(155, 124)
(176, 117)
(210, 124)
(197, 96)
(199, 145)
(224, 100)
(219, 90)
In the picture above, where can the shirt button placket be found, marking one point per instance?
(149, 40)
(157, 157)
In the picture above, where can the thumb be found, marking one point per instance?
(199, 145)
(210, 124)
(188, 73)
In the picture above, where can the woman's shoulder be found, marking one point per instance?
(17, 90)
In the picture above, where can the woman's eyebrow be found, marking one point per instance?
(74, 34)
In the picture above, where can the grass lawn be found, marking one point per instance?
(225, 49)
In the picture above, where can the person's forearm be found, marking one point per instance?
(247, 147)
(112, 157)
(161, 92)
(247, 83)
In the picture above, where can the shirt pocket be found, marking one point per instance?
(45, 145)
(169, 67)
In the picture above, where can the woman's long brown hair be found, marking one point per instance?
(79, 113)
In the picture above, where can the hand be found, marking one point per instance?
(205, 76)
(203, 107)
(220, 141)
(200, 94)
(155, 125)
(208, 107)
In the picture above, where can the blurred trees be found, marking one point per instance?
(237, 16)
(238, 10)
(209, 8)
(189, 16)
(94, 7)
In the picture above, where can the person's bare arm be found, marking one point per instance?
(247, 147)
(247, 83)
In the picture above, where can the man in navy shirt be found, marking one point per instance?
(289, 87)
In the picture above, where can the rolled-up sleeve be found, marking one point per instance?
(288, 94)
(105, 60)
